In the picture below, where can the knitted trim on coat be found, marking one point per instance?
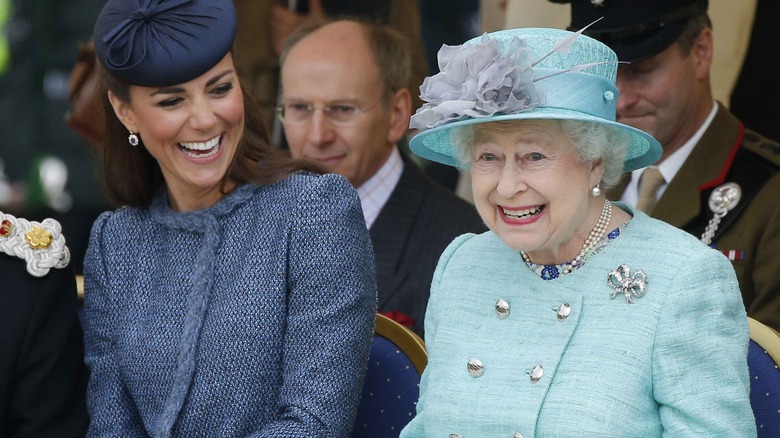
(203, 223)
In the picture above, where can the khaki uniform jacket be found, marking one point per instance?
(750, 233)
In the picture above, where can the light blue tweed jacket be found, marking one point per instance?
(672, 364)
(251, 318)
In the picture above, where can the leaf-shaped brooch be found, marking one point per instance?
(621, 280)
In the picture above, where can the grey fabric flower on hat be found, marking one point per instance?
(478, 80)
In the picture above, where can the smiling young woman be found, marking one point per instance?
(204, 289)
(192, 131)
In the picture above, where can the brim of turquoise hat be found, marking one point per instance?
(435, 145)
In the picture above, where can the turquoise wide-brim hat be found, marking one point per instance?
(522, 74)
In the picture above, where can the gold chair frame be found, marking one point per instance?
(405, 339)
(765, 336)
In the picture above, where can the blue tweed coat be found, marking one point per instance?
(250, 318)
(672, 364)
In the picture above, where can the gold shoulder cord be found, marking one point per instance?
(40, 244)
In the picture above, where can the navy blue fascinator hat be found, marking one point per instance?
(158, 43)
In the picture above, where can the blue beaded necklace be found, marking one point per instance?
(551, 272)
(596, 239)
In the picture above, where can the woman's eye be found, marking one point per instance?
(535, 156)
(223, 89)
(170, 102)
(486, 156)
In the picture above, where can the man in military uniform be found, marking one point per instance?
(720, 179)
(42, 372)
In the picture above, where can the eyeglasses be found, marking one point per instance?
(300, 113)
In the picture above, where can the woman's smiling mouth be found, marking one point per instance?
(524, 213)
(201, 149)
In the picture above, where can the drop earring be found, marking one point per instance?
(132, 139)
(596, 191)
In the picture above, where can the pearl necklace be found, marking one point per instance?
(593, 239)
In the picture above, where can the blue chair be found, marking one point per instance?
(392, 383)
(763, 360)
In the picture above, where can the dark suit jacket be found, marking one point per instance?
(727, 152)
(414, 227)
(42, 372)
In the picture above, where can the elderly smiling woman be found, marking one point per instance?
(573, 315)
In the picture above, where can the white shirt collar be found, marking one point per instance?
(375, 192)
(670, 166)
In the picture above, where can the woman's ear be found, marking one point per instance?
(123, 112)
(596, 172)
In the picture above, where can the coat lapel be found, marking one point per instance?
(390, 233)
(705, 167)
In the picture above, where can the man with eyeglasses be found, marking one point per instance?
(344, 105)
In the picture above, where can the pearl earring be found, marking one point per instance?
(132, 139)
(596, 191)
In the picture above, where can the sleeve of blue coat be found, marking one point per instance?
(416, 428)
(331, 313)
(111, 410)
(700, 366)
